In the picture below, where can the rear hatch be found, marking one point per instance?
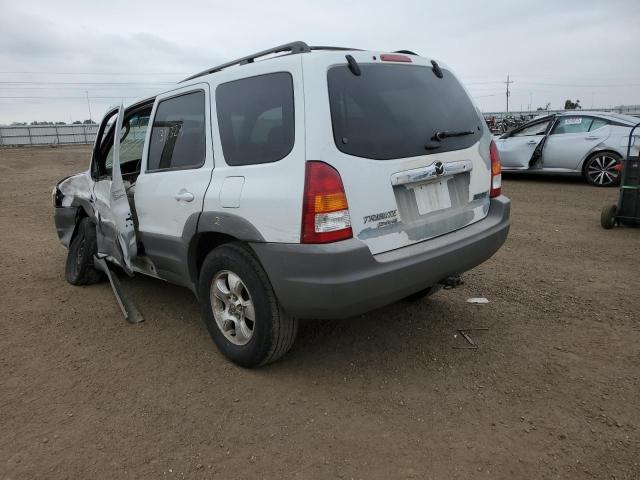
(409, 144)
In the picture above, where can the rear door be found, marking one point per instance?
(410, 146)
(176, 171)
(571, 139)
(516, 150)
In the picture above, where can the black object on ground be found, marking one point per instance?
(627, 211)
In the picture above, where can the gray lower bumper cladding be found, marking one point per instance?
(344, 279)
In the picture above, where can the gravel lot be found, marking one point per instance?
(552, 392)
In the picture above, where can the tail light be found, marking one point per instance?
(325, 212)
(392, 57)
(496, 171)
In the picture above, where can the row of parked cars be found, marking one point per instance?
(306, 182)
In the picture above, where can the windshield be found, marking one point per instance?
(393, 111)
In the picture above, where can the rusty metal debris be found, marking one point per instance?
(472, 345)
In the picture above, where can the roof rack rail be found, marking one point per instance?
(339, 49)
(292, 48)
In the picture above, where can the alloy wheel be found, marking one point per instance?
(233, 308)
(601, 170)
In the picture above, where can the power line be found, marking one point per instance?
(79, 88)
(483, 83)
(92, 73)
(581, 86)
(571, 85)
(67, 98)
(183, 73)
(87, 83)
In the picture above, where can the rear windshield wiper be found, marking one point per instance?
(451, 133)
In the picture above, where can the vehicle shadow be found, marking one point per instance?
(399, 334)
(399, 337)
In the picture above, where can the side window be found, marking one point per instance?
(537, 129)
(178, 136)
(256, 118)
(132, 138)
(572, 125)
(597, 123)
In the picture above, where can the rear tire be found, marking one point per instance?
(608, 216)
(240, 308)
(599, 169)
(79, 269)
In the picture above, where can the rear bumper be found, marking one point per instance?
(344, 279)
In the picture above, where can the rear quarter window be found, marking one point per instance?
(597, 123)
(256, 118)
(393, 111)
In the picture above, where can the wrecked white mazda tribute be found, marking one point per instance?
(320, 182)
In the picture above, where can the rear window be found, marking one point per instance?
(256, 118)
(393, 111)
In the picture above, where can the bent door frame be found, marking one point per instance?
(115, 231)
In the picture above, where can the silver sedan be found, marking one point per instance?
(591, 144)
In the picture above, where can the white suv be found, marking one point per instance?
(321, 183)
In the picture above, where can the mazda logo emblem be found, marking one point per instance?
(439, 168)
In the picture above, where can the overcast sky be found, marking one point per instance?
(553, 50)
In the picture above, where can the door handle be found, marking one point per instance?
(591, 138)
(184, 196)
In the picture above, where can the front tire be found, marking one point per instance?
(79, 269)
(240, 309)
(601, 169)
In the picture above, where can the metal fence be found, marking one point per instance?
(24, 135)
(630, 110)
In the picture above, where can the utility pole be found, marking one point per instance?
(508, 92)
(88, 103)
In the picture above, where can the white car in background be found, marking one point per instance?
(591, 144)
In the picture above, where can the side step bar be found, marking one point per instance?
(129, 311)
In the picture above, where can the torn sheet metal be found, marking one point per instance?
(128, 308)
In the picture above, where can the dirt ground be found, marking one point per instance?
(552, 392)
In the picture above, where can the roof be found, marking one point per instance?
(628, 119)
